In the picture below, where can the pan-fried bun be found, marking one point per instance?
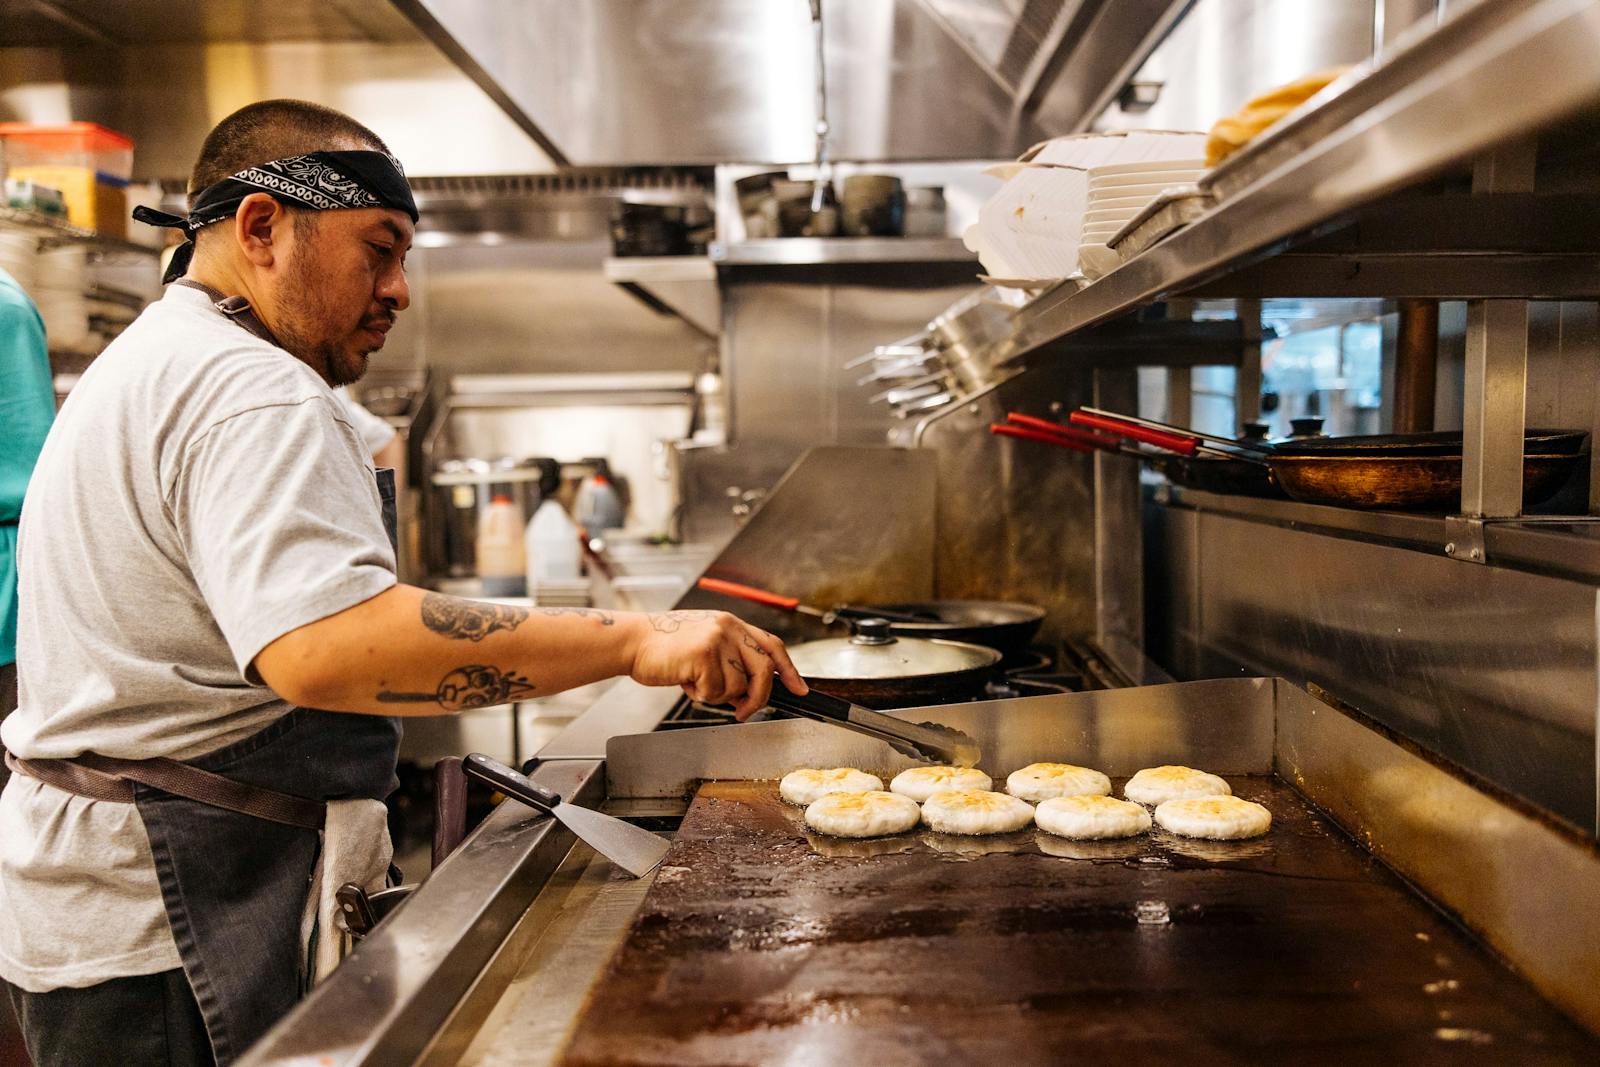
(920, 783)
(874, 813)
(1086, 818)
(975, 811)
(1041, 781)
(1157, 785)
(1217, 818)
(807, 784)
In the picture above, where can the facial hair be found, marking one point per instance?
(304, 312)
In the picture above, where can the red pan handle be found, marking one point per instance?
(1039, 435)
(1184, 446)
(1108, 441)
(749, 592)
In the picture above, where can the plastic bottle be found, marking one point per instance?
(599, 506)
(501, 563)
(552, 549)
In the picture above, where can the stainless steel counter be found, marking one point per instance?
(491, 959)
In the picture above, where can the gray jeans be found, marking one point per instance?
(148, 1021)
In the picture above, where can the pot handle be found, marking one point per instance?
(1109, 442)
(749, 592)
(813, 705)
(1183, 446)
(1022, 432)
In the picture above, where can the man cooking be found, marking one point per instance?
(203, 562)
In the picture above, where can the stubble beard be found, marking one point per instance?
(304, 310)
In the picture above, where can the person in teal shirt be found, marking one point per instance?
(27, 405)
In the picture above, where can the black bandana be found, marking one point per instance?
(320, 181)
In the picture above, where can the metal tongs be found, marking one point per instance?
(927, 742)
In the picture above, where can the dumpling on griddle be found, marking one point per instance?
(1222, 818)
(920, 783)
(808, 784)
(976, 811)
(1157, 785)
(1041, 781)
(874, 813)
(1091, 818)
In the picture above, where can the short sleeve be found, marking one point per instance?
(375, 433)
(281, 523)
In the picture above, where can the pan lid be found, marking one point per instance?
(874, 653)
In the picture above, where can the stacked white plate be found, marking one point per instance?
(19, 257)
(1117, 193)
(62, 278)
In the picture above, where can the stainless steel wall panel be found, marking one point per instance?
(785, 344)
(1523, 884)
(1016, 518)
(845, 524)
(1222, 724)
(1493, 668)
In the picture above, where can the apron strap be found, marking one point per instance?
(73, 778)
(107, 778)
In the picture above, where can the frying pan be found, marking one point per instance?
(878, 669)
(1002, 625)
(1387, 471)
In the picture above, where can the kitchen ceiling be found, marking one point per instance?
(70, 23)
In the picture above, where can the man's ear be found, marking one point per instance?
(256, 223)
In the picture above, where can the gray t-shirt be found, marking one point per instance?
(201, 494)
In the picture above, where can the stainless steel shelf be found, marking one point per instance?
(55, 231)
(828, 251)
(1564, 546)
(646, 270)
(1494, 73)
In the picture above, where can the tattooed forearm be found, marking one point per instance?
(605, 617)
(470, 619)
(468, 687)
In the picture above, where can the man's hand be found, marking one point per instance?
(715, 658)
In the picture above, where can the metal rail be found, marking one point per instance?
(1496, 71)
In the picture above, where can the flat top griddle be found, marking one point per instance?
(762, 943)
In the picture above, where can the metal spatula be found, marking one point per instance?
(921, 741)
(634, 850)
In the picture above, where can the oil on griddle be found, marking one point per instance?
(760, 943)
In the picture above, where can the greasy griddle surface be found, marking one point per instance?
(763, 943)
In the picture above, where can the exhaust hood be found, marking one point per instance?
(625, 82)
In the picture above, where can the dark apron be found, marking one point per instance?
(236, 886)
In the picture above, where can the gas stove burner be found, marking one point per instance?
(1037, 685)
(1033, 660)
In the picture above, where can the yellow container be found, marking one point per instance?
(91, 203)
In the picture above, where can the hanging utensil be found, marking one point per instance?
(634, 850)
(921, 741)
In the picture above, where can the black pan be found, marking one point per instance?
(1440, 443)
(998, 624)
(1001, 625)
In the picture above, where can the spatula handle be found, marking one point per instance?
(813, 704)
(509, 782)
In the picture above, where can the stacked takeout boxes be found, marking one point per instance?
(1064, 199)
